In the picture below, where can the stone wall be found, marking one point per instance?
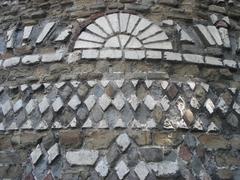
(121, 89)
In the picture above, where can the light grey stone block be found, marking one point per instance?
(213, 61)
(18, 105)
(102, 167)
(90, 54)
(165, 45)
(171, 56)
(53, 152)
(11, 62)
(118, 102)
(142, 170)
(193, 58)
(82, 157)
(57, 104)
(149, 102)
(47, 28)
(205, 35)
(36, 154)
(74, 102)
(122, 170)
(43, 105)
(153, 54)
(134, 54)
(6, 107)
(110, 54)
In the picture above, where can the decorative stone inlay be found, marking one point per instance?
(170, 56)
(149, 102)
(31, 59)
(90, 102)
(27, 32)
(74, 102)
(104, 101)
(57, 104)
(6, 107)
(47, 28)
(133, 100)
(102, 167)
(118, 102)
(209, 106)
(142, 170)
(121, 169)
(43, 105)
(53, 152)
(82, 157)
(30, 106)
(123, 142)
(18, 105)
(11, 62)
(164, 168)
(203, 31)
(193, 58)
(36, 154)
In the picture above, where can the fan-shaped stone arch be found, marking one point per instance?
(122, 35)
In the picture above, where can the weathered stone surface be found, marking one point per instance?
(31, 59)
(102, 167)
(213, 61)
(121, 169)
(206, 36)
(123, 141)
(141, 170)
(134, 54)
(149, 102)
(6, 107)
(36, 154)
(193, 58)
(164, 168)
(170, 56)
(11, 62)
(82, 157)
(57, 104)
(53, 57)
(45, 32)
(74, 102)
(53, 152)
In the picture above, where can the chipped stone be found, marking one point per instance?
(31, 59)
(47, 28)
(27, 32)
(57, 104)
(82, 157)
(90, 54)
(63, 35)
(73, 123)
(230, 63)
(53, 152)
(119, 124)
(110, 54)
(164, 168)
(11, 62)
(225, 37)
(194, 103)
(103, 124)
(42, 125)
(215, 34)
(53, 57)
(27, 125)
(123, 141)
(73, 57)
(165, 103)
(188, 117)
(213, 61)
(134, 54)
(36, 154)
(153, 54)
(36, 86)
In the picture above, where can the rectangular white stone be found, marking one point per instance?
(215, 34)
(154, 54)
(47, 28)
(206, 36)
(53, 57)
(143, 24)
(11, 62)
(123, 21)
(31, 59)
(171, 56)
(225, 37)
(82, 157)
(165, 45)
(95, 29)
(230, 63)
(194, 58)
(134, 54)
(10, 39)
(90, 54)
(110, 54)
(27, 32)
(213, 61)
(86, 44)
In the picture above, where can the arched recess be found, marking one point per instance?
(122, 35)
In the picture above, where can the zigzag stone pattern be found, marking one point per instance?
(114, 104)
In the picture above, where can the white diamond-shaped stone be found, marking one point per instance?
(194, 103)
(209, 106)
(119, 83)
(149, 102)
(121, 169)
(13, 126)
(36, 154)
(133, 100)
(104, 101)
(6, 107)
(43, 105)
(102, 167)
(191, 84)
(141, 170)
(123, 141)
(88, 124)
(74, 102)
(53, 152)
(90, 102)
(18, 105)
(148, 83)
(30, 106)
(36, 86)
(118, 102)
(57, 104)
